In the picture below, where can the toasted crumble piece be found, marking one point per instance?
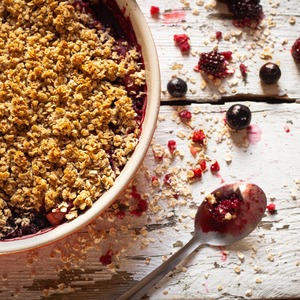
(210, 198)
(68, 121)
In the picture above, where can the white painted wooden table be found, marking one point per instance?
(265, 265)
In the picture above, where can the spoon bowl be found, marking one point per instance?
(250, 213)
(251, 207)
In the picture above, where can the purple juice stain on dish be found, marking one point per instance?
(253, 134)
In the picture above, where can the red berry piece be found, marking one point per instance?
(243, 70)
(197, 172)
(296, 50)
(215, 167)
(271, 208)
(269, 73)
(142, 205)
(185, 115)
(55, 217)
(106, 259)
(219, 35)
(182, 40)
(177, 87)
(238, 116)
(214, 63)
(227, 55)
(120, 215)
(172, 146)
(154, 10)
(135, 194)
(224, 208)
(199, 137)
(168, 179)
(203, 164)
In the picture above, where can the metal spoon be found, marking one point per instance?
(211, 232)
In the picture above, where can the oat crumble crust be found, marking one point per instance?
(67, 127)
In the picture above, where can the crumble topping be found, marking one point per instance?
(67, 118)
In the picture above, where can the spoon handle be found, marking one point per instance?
(140, 289)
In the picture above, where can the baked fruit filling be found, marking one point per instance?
(225, 207)
(72, 93)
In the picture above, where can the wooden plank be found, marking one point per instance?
(268, 260)
(272, 41)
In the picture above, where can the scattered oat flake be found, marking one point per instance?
(270, 256)
(241, 256)
(292, 20)
(257, 269)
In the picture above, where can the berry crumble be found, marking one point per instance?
(72, 93)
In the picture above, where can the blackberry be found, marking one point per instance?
(214, 63)
(246, 12)
(296, 50)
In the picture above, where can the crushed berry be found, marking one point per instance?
(106, 259)
(55, 217)
(120, 215)
(197, 172)
(185, 115)
(199, 137)
(271, 208)
(215, 63)
(225, 208)
(176, 196)
(168, 179)
(243, 70)
(202, 164)
(142, 205)
(154, 178)
(135, 194)
(182, 41)
(227, 55)
(219, 35)
(172, 146)
(296, 50)
(215, 167)
(154, 10)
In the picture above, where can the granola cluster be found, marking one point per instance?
(67, 122)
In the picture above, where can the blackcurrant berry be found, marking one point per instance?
(269, 73)
(238, 116)
(177, 87)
